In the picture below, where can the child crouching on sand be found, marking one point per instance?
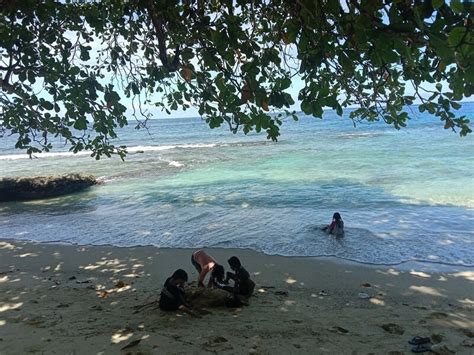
(172, 295)
(204, 263)
(336, 227)
(243, 285)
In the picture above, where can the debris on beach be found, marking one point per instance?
(339, 330)
(393, 328)
(468, 343)
(467, 332)
(120, 284)
(132, 344)
(218, 343)
(438, 315)
(83, 281)
(103, 294)
(437, 338)
(442, 349)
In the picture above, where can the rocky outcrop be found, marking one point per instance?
(32, 188)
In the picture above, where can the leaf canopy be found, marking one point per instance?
(80, 70)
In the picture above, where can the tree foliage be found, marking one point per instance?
(80, 70)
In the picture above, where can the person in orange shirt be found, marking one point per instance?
(205, 263)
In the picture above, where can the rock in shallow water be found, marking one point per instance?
(39, 187)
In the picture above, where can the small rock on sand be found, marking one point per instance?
(437, 338)
(120, 284)
(468, 343)
(467, 332)
(442, 349)
(393, 328)
(438, 315)
(337, 329)
(214, 342)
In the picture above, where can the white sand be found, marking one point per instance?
(57, 299)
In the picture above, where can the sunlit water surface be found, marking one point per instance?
(404, 195)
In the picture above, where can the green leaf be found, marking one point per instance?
(74, 71)
(456, 6)
(31, 76)
(285, 83)
(317, 109)
(306, 107)
(346, 63)
(47, 105)
(135, 88)
(437, 3)
(84, 53)
(455, 105)
(390, 56)
(80, 124)
(456, 35)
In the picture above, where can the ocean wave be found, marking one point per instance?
(130, 150)
(360, 135)
(176, 164)
(158, 148)
(42, 155)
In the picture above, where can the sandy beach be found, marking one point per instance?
(59, 299)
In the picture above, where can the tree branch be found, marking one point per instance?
(157, 21)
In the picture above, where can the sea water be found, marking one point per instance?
(403, 194)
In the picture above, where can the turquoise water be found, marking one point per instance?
(404, 195)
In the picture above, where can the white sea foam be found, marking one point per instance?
(157, 148)
(42, 155)
(176, 164)
(132, 150)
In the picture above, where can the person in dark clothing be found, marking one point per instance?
(243, 285)
(172, 295)
(336, 227)
(217, 276)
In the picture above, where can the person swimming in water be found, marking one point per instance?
(336, 227)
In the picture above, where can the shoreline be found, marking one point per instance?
(85, 299)
(424, 265)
